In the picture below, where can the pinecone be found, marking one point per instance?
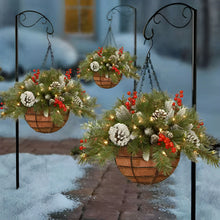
(55, 85)
(192, 138)
(78, 101)
(159, 113)
(153, 139)
(119, 134)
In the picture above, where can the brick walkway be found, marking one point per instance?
(104, 193)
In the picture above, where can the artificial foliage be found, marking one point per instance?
(109, 62)
(49, 92)
(151, 123)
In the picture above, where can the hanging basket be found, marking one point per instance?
(137, 170)
(43, 124)
(104, 82)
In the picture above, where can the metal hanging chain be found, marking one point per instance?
(49, 50)
(148, 68)
(109, 39)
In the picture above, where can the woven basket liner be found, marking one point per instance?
(43, 124)
(104, 82)
(137, 170)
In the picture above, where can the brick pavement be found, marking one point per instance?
(104, 193)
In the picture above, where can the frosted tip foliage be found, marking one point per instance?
(122, 113)
(119, 134)
(94, 66)
(27, 99)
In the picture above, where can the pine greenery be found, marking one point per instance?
(110, 62)
(46, 94)
(180, 121)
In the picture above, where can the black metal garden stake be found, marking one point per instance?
(109, 17)
(21, 18)
(156, 18)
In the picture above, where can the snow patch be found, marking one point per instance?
(42, 181)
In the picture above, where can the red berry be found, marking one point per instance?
(85, 140)
(34, 70)
(81, 147)
(173, 150)
(134, 96)
(167, 140)
(181, 91)
(64, 77)
(171, 144)
(198, 126)
(84, 91)
(175, 98)
(1, 108)
(135, 92)
(81, 141)
(129, 98)
(129, 93)
(176, 95)
(160, 139)
(201, 123)
(181, 95)
(167, 146)
(179, 103)
(127, 103)
(173, 104)
(159, 144)
(132, 112)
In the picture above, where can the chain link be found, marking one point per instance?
(49, 50)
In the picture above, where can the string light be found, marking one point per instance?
(151, 119)
(80, 112)
(201, 135)
(58, 111)
(2, 113)
(178, 147)
(18, 104)
(112, 117)
(38, 93)
(105, 142)
(22, 87)
(134, 127)
(173, 119)
(213, 152)
(160, 129)
(99, 154)
(49, 88)
(164, 153)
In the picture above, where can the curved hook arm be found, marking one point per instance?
(158, 13)
(21, 17)
(109, 15)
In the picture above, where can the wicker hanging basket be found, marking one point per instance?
(43, 124)
(104, 82)
(137, 170)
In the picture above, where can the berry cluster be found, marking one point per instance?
(178, 100)
(121, 50)
(2, 105)
(168, 143)
(81, 147)
(60, 103)
(68, 74)
(99, 52)
(116, 70)
(131, 101)
(36, 76)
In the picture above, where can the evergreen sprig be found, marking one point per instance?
(110, 62)
(54, 94)
(180, 131)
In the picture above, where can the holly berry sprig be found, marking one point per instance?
(68, 74)
(178, 100)
(60, 104)
(2, 105)
(36, 76)
(81, 147)
(131, 101)
(168, 143)
(99, 52)
(116, 70)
